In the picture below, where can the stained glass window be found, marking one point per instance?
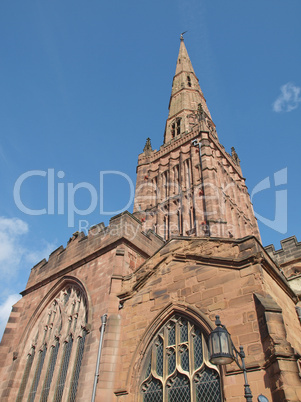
(49, 375)
(176, 368)
(179, 389)
(208, 386)
(62, 323)
(153, 391)
(63, 371)
(37, 375)
(29, 361)
(78, 362)
(159, 356)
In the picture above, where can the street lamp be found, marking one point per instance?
(222, 351)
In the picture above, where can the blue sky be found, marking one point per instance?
(84, 84)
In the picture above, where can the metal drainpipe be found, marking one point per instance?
(103, 326)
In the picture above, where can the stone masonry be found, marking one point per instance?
(192, 186)
(190, 251)
(288, 259)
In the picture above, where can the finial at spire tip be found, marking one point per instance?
(181, 37)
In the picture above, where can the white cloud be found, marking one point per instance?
(14, 255)
(11, 249)
(5, 309)
(289, 98)
(13, 225)
(13, 234)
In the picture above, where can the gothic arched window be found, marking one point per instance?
(56, 348)
(178, 126)
(177, 367)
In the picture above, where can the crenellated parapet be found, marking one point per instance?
(81, 249)
(288, 258)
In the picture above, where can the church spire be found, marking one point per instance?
(186, 97)
(192, 186)
(183, 62)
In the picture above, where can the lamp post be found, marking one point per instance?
(222, 351)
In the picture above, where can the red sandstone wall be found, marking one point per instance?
(207, 290)
(99, 264)
(207, 189)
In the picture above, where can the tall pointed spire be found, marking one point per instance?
(192, 186)
(183, 62)
(186, 97)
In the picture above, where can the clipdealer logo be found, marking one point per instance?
(61, 196)
(279, 223)
(56, 194)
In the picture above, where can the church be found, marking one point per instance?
(126, 313)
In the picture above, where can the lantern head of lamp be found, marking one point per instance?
(222, 351)
(220, 345)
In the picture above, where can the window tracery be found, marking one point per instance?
(56, 348)
(177, 368)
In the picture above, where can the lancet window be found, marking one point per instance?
(176, 127)
(56, 349)
(177, 368)
(173, 130)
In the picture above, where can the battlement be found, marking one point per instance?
(288, 258)
(124, 228)
(290, 251)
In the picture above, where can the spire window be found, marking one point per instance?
(188, 81)
(178, 126)
(173, 130)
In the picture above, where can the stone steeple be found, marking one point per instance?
(186, 97)
(192, 186)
